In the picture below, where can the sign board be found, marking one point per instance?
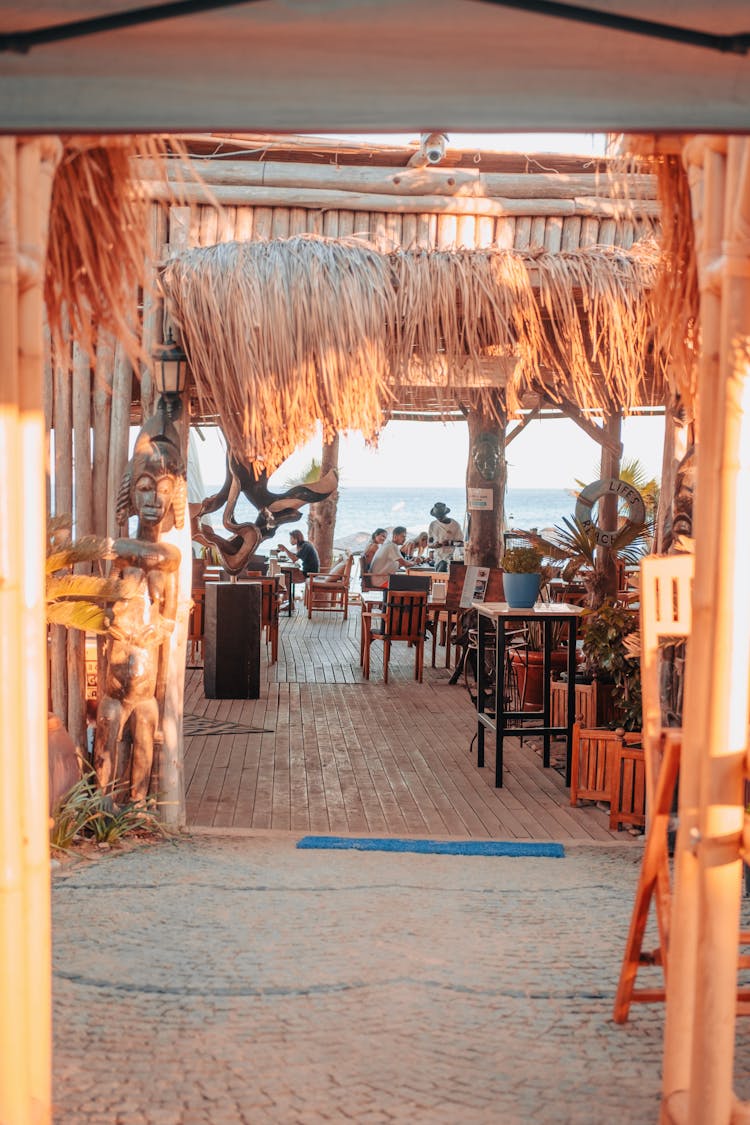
(475, 585)
(480, 500)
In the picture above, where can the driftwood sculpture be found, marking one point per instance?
(130, 710)
(274, 508)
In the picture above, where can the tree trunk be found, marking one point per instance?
(486, 478)
(607, 519)
(321, 522)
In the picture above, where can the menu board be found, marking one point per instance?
(475, 585)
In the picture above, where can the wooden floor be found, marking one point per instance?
(323, 751)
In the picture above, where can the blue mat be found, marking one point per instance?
(433, 847)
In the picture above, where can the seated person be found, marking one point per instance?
(416, 548)
(388, 557)
(377, 539)
(304, 553)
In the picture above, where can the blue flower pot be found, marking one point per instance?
(521, 590)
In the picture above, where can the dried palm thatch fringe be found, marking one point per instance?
(281, 335)
(98, 239)
(675, 295)
(284, 334)
(582, 317)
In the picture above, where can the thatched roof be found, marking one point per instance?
(285, 333)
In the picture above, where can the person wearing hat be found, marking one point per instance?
(443, 535)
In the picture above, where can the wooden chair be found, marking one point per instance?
(329, 592)
(402, 617)
(197, 624)
(270, 606)
(665, 612)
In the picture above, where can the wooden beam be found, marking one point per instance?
(466, 182)
(522, 423)
(239, 195)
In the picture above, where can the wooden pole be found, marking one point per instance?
(322, 516)
(239, 195)
(171, 757)
(680, 1008)
(401, 181)
(83, 525)
(486, 470)
(15, 1084)
(610, 467)
(721, 815)
(63, 505)
(37, 160)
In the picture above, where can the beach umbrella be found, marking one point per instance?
(355, 542)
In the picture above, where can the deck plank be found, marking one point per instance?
(348, 756)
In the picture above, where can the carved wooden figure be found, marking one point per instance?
(129, 713)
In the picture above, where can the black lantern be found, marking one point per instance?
(170, 370)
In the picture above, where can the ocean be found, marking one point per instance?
(363, 509)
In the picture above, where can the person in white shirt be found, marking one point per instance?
(443, 535)
(388, 558)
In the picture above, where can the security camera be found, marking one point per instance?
(433, 146)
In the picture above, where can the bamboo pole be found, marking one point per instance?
(209, 229)
(522, 236)
(446, 232)
(331, 224)
(63, 505)
(538, 228)
(680, 1007)
(37, 160)
(721, 815)
(15, 1084)
(280, 222)
(505, 233)
(171, 768)
(83, 524)
(231, 195)
(408, 230)
(243, 227)
(157, 236)
(297, 220)
(118, 434)
(262, 218)
(426, 231)
(553, 234)
(346, 224)
(467, 182)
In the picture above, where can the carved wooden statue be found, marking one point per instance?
(274, 508)
(129, 714)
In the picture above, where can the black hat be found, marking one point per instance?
(439, 509)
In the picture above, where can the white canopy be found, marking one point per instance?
(375, 65)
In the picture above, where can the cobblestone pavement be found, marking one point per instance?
(219, 981)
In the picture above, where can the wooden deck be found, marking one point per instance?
(324, 751)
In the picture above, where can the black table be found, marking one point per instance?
(289, 574)
(492, 620)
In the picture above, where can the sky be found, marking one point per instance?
(548, 454)
(552, 453)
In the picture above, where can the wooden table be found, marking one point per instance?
(492, 619)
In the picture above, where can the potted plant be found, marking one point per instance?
(610, 655)
(522, 576)
(75, 601)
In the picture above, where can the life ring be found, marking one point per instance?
(595, 491)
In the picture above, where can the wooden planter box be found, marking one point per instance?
(608, 766)
(593, 704)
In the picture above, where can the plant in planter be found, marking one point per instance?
(522, 576)
(75, 601)
(576, 546)
(611, 655)
(522, 567)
